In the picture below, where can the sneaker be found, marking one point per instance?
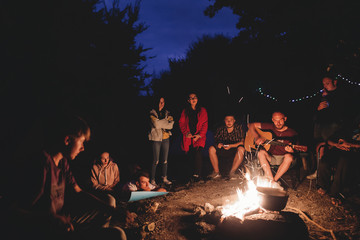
(195, 178)
(153, 182)
(276, 184)
(214, 175)
(312, 176)
(166, 181)
(233, 176)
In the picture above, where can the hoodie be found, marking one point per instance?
(105, 177)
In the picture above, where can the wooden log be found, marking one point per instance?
(267, 225)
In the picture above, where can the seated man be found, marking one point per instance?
(229, 139)
(342, 153)
(277, 154)
(142, 183)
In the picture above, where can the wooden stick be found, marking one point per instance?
(307, 218)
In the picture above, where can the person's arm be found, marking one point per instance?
(235, 145)
(340, 144)
(218, 139)
(239, 137)
(130, 186)
(57, 221)
(70, 179)
(95, 183)
(294, 140)
(161, 123)
(116, 176)
(354, 145)
(170, 123)
(323, 103)
(93, 178)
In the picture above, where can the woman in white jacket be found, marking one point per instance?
(161, 122)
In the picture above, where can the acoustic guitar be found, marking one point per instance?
(250, 141)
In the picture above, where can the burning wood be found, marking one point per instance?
(249, 201)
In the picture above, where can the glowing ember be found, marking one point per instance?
(249, 200)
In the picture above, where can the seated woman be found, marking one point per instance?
(142, 183)
(105, 177)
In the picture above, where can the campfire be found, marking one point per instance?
(252, 197)
(255, 214)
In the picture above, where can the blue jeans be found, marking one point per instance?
(163, 148)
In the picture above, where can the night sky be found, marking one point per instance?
(174, 25)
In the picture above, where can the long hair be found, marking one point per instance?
(188, 107)
(155, 106)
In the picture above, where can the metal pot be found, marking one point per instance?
(272, 199)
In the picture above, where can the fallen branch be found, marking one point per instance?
(307, 218)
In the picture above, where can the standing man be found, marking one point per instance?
(283, 156)
(229, 141)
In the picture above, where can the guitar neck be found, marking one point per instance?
(296, 147)
(274, 142)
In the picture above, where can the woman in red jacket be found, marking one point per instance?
(193, 126)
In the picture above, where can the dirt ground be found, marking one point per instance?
(175, 217)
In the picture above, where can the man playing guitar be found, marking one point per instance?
(276, 154)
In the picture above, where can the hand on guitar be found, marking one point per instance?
(289, 149)
(343, 145)
(259, 141)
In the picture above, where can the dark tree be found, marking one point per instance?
(321, 32)
(71, 56)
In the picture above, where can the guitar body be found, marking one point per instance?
(249, 142)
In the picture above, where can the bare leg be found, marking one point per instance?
(284, 166)
(264, 162)
(214, 159)
(239, 156)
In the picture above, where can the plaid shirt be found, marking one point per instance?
(223, 136)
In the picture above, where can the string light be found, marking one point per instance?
(266, 95)
(306, 97)
(339, 76)
(291, 100)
